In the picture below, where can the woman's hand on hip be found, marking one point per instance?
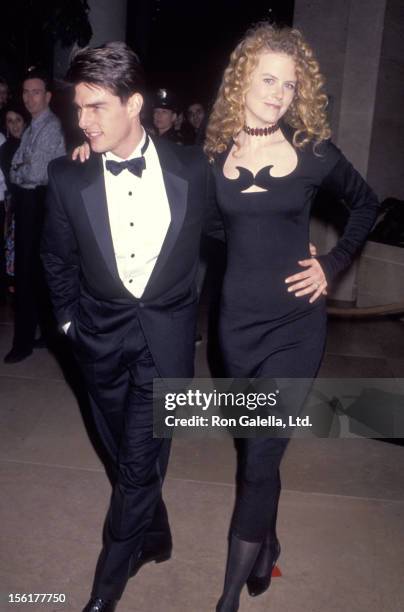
(311, 281)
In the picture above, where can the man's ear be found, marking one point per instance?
(48, 97)
(174, 119)
(135, 103)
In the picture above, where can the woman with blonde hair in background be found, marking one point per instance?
(268, 141)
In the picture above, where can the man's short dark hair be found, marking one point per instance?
(113, 66)
(38, 73)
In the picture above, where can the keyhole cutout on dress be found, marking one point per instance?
(286, 161)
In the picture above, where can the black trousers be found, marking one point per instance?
(31, 295)
(120, 384)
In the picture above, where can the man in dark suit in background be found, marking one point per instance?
(120, 251)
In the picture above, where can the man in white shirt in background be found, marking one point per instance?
(41, 142)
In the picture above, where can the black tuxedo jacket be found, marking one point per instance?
(80, 266)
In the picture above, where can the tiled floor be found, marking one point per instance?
(341, 520)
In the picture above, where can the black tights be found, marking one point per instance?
(258, 487)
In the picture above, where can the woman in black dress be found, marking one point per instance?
(269, 143)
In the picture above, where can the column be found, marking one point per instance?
(347, 38)
(108, 20)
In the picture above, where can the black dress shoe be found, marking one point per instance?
(96, 604)
(16, 355)
(149, 557)
(257, 585)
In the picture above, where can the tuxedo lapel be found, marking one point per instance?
(95, 202)
(177, 194)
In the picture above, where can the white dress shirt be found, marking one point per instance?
(139, 217)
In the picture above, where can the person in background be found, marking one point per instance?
(16, 118)
(41, 142)
(3, 190)
(184, 130)
(165, 112)
(197, 118)
(4, 96)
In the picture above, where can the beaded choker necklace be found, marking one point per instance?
(261, 131)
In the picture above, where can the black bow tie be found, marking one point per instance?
(135, 165)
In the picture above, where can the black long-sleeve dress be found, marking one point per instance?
(266, 332)
(264, 329)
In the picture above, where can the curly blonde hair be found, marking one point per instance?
(307, 112)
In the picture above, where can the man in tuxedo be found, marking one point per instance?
(120, 251)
